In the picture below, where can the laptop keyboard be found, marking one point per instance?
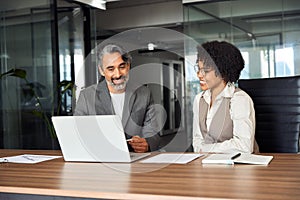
(134, 155)
(137, 156)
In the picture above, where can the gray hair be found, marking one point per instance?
(112, 48)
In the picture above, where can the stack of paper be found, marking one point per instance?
(28, 158)
(173, 158)
(230, 159)
(253, 159)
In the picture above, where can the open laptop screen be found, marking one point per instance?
(93, 138)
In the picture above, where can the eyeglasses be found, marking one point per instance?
(203, 70)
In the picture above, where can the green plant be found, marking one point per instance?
(40, 112)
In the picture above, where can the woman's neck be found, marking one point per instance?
(216, 91)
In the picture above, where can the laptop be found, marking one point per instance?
(93, 138)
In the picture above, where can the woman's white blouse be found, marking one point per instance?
(242, 114)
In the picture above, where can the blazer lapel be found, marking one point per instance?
(128, 105)
(103, 103)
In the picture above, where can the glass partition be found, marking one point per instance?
(44, 39)
(25, 38)
(266, 32)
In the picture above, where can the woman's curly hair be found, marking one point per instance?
(224, 57)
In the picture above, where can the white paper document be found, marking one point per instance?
(172, 158)
(219, 159)
(253, 159)
(231, 159)
(28, 158)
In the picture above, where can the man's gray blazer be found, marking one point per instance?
(138, 113)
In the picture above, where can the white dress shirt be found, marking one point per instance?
(242, 114)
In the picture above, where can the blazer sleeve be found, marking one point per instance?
(81, 105)
(143, 118)
(85, 104)
(151, 127)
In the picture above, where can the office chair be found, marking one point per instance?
(277, 110)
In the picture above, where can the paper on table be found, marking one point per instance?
(173, 158)
(28, 158)
(219, 159)
(241, 158)
(253, 159)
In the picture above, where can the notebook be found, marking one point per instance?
(93, 138)
(234, 158)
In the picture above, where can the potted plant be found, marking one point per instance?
(39, 111)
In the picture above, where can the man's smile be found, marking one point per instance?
(118, 81)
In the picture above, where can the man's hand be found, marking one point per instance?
(139, 144)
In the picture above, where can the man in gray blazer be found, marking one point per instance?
(117, 95)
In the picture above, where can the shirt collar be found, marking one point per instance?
(227, 92)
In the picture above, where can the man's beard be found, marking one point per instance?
(121, 86)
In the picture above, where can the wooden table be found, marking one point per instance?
(279, 180)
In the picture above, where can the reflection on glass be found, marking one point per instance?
(284, 59)
(266, 35)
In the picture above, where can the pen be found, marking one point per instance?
(235, 156)
(128, 140)
(28, 158)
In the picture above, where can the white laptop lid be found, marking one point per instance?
(93, 138)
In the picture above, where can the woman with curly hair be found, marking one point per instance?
(224, 116)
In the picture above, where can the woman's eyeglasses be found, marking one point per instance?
(203, 70)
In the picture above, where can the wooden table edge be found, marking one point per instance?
(92, 194)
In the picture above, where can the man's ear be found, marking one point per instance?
(100, 70)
